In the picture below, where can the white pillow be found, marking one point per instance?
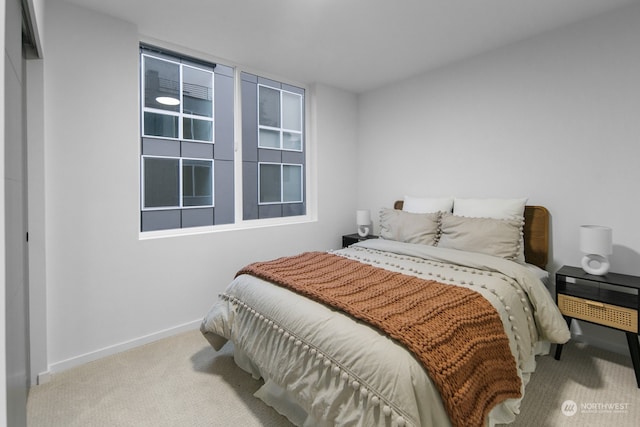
(490, 208)
(427, 204)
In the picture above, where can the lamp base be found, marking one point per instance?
(363, 231)
(595, 264)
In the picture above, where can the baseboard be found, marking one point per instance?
(620, 348)
(43, 378)
(117, 348)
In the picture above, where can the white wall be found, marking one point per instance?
(3, 359)
(106, 289)
(553, 118)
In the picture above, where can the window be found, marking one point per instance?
(273, 149)
(279, 183)
(187, 156)
(280, 119)
(187, 162)
(178, 100)
(197, 178)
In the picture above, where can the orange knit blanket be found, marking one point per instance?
(455, 332)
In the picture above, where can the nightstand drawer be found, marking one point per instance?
(597, 312)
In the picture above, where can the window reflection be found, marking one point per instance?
(197, 183)
(269, 183)
(291, 183)
(291, 111)
(269, 138)
(292, 141)
(197, 92)
(269, 107)
(199, 130)
(160, 125)
(161, 79)
(161, 182)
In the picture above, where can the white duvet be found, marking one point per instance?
(322, 367)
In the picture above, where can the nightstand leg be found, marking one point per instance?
(559, 346)
(634, 350)
(558, 352)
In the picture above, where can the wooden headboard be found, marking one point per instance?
(536, 234)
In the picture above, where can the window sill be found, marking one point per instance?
(244, 225)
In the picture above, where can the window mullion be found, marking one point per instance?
(142, 187)
(180, 183)
(181, 112)
(281, 183)
(281, 123)
(159, 111)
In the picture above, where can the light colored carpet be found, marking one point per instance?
(174, 382)
(182, 381)
(602, 385)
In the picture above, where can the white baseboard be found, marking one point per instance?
(43, 378)
(616, 347)
(116, 348)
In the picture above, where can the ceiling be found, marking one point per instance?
(356, 45)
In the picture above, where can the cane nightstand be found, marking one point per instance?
(610, 300)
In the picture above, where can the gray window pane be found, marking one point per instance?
(161, 182)
(160, 220)
(292, 141)
(197, 183)
(269, 107)
(270, 211)
(269, 138)
(291, 183)
(198, 130)
(197, 217)
(161, 84)
(269, 183)
(160, 125)
(291, 111)
(293, 209)
(197, 150)
(161, 147)
(197, 92)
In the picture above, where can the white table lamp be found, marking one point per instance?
(596, 244)
(363, 219)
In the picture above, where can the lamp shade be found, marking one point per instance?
(363, 220)
(596, 239)
(595, 243)
(363, 217)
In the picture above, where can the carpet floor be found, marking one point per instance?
(181, 381)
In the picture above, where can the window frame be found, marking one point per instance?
(309, 172)
(180, 113)
(281, 201)
(144, 208)
(212, 182)
(281, 130)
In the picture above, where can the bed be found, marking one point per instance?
(362, 351)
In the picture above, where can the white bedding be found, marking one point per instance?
(322, 367)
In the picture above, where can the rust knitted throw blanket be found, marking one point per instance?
(455, 332)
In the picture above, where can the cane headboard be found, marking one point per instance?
(536, 234)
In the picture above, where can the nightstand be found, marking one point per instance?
(350, 239)
(610, 300)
